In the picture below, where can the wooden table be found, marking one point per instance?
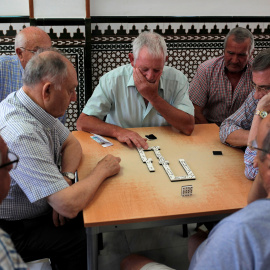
(137, 198)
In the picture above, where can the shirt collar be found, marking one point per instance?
(42, 116)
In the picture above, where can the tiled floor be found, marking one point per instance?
(165, 245)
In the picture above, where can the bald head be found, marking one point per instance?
(28, 41)
(32, 37)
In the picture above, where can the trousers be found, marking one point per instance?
(38, 238)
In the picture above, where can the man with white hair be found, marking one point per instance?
(142, 94)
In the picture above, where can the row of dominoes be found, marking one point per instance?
(190, 175)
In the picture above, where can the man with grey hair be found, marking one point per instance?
(241, 128)
(142, 94)
(222, 84)
(42, 212)
(27, 42)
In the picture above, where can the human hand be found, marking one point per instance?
(109, 166)
(264, 103)
(58, 220)
(148, 90)
(131, 138)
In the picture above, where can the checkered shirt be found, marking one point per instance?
(250, 171)
(241, 119)
(212, 90)
(11, 72)
(37, 138)
(9, 258)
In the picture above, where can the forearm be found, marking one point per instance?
(70, 201)
(93, 124)
(238, 138)
(71, 154)
(73, 199)
(199, 117)
(180, 120)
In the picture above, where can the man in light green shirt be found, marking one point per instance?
(142, 94)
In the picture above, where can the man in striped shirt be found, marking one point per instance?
(222, 84)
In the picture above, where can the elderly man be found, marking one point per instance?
(42, 196)
(222, 84)
(142, 94)
(240, 241)
(241, 127)
(27, 42)
(9, 258)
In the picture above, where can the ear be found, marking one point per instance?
(167, 57)
(131, 59)
(19, 53)
(46, 91)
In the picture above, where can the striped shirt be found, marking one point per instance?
(37, 138)
(212, 90)
(11, 72)
(9, 258)
(241, 119)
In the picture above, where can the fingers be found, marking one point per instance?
(55, 218)
(132, 139)
(58, 220)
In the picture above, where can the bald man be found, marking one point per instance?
(27, 43)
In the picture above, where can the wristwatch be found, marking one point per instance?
(69, 175)
(262, 114)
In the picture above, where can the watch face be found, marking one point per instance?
(263, 114)
(69, 175)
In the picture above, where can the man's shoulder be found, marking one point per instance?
(213, 63)
(8, 59)
(251, 214)
(172, 73)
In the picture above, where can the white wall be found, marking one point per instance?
(180, 8)
(76, 8)
(14, 8)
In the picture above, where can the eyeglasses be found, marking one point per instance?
(265, 89)
(13, 159)
(253, 146)
(32, 51)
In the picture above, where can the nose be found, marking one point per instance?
(150, 76)
(73, 96)
(234, 58)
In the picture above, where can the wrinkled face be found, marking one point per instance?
(151, 67)
(262, 81)
(4, 172)
(236, 55)
(61, 98)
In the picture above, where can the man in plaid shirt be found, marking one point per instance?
(222, 84)
(240, 129)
